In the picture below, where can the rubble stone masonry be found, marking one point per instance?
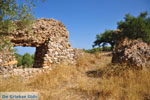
(49, 36)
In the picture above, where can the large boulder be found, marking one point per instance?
(132, 52)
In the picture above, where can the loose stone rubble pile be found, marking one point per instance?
(49, 36)
(132, 52)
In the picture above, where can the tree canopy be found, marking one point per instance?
(132, 28)
(19, 59)
(135, 27)
(27, 60)
(11, 11)
(14, 14)
(104, 38)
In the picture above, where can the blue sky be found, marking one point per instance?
(86, 18)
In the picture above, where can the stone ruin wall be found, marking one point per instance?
(135, 53)
(49, 36)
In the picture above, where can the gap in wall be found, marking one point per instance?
(25, 56)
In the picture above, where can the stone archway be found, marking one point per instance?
(49, 36)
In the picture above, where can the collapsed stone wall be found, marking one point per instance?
(132, 52)
(49, 36)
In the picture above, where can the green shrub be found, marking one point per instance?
(27, 60)
(19, 59)
(94, 50)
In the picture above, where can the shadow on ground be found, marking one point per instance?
(95, 73)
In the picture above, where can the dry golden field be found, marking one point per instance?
(92, 78)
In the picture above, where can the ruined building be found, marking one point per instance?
(49, 36)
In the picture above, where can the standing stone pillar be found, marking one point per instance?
(52, 52)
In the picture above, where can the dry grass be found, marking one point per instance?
(86, 60)
(92, 78)
(132, 85)
(11, 84)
